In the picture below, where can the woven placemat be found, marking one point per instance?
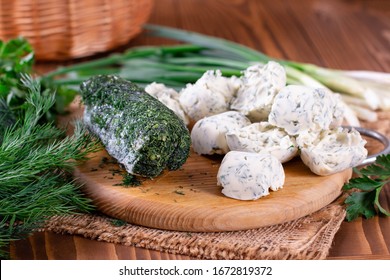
(309, 237)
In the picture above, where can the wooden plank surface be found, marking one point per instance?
(349, 35)
(189, 199)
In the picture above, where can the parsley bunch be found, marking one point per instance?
(364, 201)
(16, 57)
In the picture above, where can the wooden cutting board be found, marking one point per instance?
(190, 200)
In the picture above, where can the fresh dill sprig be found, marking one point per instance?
(36, 164)
(372, 179)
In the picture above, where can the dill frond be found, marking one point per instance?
(36, 164)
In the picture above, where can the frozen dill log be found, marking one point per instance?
(136, 129)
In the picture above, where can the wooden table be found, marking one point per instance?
(349, 35)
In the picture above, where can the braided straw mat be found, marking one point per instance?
(309, 237)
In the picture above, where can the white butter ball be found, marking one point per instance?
(169, 97)
(208, 134)
(209, 95)
(332, 151)
(298, 109)
(260, 85)
(263, 138)
(249, 176)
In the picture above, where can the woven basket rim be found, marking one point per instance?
(60, 30)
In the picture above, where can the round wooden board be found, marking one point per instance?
(190, 200)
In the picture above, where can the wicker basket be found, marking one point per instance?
(66, 29)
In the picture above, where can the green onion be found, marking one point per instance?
(176, 65)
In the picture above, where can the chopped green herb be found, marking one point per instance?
(130, 180)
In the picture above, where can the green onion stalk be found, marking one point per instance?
(363, 92)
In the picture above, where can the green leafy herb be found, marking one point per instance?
(36, 164)
(16, 57)
(365, 200)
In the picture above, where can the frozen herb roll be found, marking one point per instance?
(139, 131)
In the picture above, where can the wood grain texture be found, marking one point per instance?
(345, 34)
(189, 199)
